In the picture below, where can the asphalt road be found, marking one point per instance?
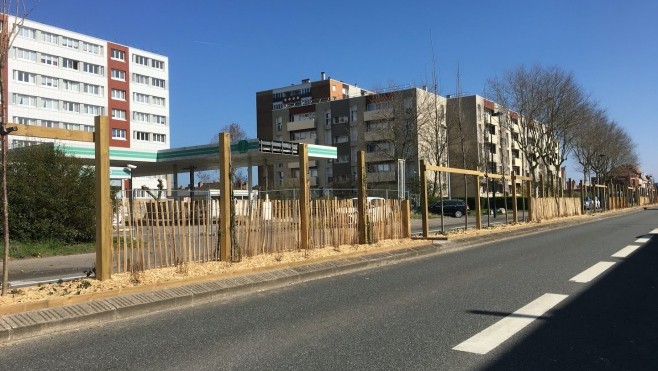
(452, 311)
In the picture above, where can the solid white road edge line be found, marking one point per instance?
(496, 334)
(626, 251)
(592, 272)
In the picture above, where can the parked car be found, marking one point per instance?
(588, 203)
(456, 208)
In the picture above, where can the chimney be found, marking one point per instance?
(324, 77)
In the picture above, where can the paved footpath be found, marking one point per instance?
(37, 319)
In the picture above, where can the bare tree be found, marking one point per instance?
(432, 129)
(13, 14)
(564, 105)
(462, 144)
(521, 91)
(237, 134)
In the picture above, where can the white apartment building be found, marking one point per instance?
(62, 79)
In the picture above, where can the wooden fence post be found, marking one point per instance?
(103, 199)
(530, 185)
(423, 197)
(478, 205)
(406, 218)
(362, 193)
(304, 202)
(224, 197)
(515, 204)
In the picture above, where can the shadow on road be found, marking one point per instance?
(612, 325)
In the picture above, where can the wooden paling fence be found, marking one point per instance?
(165, 233)
(553, 207)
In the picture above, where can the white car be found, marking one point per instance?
(588, 203)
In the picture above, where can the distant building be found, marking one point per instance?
(491, 136)
(387, 125)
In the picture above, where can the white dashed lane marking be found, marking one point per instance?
(642, 240)
(496, 334)
(626, 251)
(592, 272)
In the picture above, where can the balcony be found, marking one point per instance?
(378, 114)
(301, 124)
(375, 135)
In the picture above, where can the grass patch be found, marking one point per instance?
(42, 249)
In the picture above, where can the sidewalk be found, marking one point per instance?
(37, 319)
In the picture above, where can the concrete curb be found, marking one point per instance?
(24, 325)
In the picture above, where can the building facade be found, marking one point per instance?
(62, 79)
(493, 144)
(388, 125)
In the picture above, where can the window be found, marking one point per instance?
(118, 75)
(118, 114)
(140, 116)
(25, 100)
(376, 125)
(341, 139)
(301, 135)
(140, 60)
(73, 86)
(71, 126)
(93, 110)
(140, 135)
(91, 48)
(25, 121)
(158, 101)
(381, 168)
(162, 138)
(140, 98)
(140, 79)
(92, 68)
(52, 82)
(118, 94)
(25, 77)
(70, 63)
(48, 103)
(71, 106)
(159, 119)
(25, 54)
(378, 106)
(160, 83)
(118, 55)
(118, 134)
(92, 89)
(49, 59)
(50, 38)
(157, 64)
(49, 124)
(69, 43)
(26, 32)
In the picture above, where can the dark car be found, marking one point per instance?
(456, 208)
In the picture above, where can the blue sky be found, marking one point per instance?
(221, 53)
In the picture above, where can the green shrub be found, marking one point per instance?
(51, 196)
